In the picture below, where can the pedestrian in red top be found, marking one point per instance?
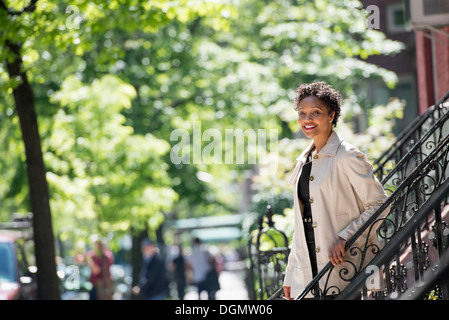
(99, 261)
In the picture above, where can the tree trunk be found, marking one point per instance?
(136, 257)
(47, 280)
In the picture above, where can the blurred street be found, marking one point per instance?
(232, 287)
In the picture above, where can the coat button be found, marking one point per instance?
(317, 250)
(315, 156)
(314, 224)
(311, 178)
(311, 201)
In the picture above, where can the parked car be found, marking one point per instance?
(17, 280)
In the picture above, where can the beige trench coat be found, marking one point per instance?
(344, 194)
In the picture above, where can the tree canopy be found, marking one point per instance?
(113, 79)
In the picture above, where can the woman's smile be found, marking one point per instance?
(309, 127)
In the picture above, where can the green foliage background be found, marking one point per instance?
(113, 79)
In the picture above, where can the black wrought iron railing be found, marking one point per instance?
(268, 252)
(419, 244)
(435, 280)
(409, 191)
(410, 137)
(416, 154)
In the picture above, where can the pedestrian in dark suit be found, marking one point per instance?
(153, 282)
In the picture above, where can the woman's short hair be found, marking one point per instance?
(322, 91)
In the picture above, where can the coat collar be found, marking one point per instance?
(329, 149)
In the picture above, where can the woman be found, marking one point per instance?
(99, 261)
(335, 193)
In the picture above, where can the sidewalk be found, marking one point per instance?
(232, 288)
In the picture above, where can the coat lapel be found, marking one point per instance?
(300, 162)
(330, 149)
(331, 146)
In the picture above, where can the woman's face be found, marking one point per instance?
(314, 118)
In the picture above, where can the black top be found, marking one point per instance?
(304, 196)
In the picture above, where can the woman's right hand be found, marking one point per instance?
(287, 293)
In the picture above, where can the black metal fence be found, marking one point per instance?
(412, 137)
(268, 252)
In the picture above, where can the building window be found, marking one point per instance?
(395, 18)
(435, 7)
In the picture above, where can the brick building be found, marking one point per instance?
(393, 24)
(423, 66)
(430, 20)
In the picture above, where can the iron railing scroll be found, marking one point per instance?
(414, 254)
(268, 253)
